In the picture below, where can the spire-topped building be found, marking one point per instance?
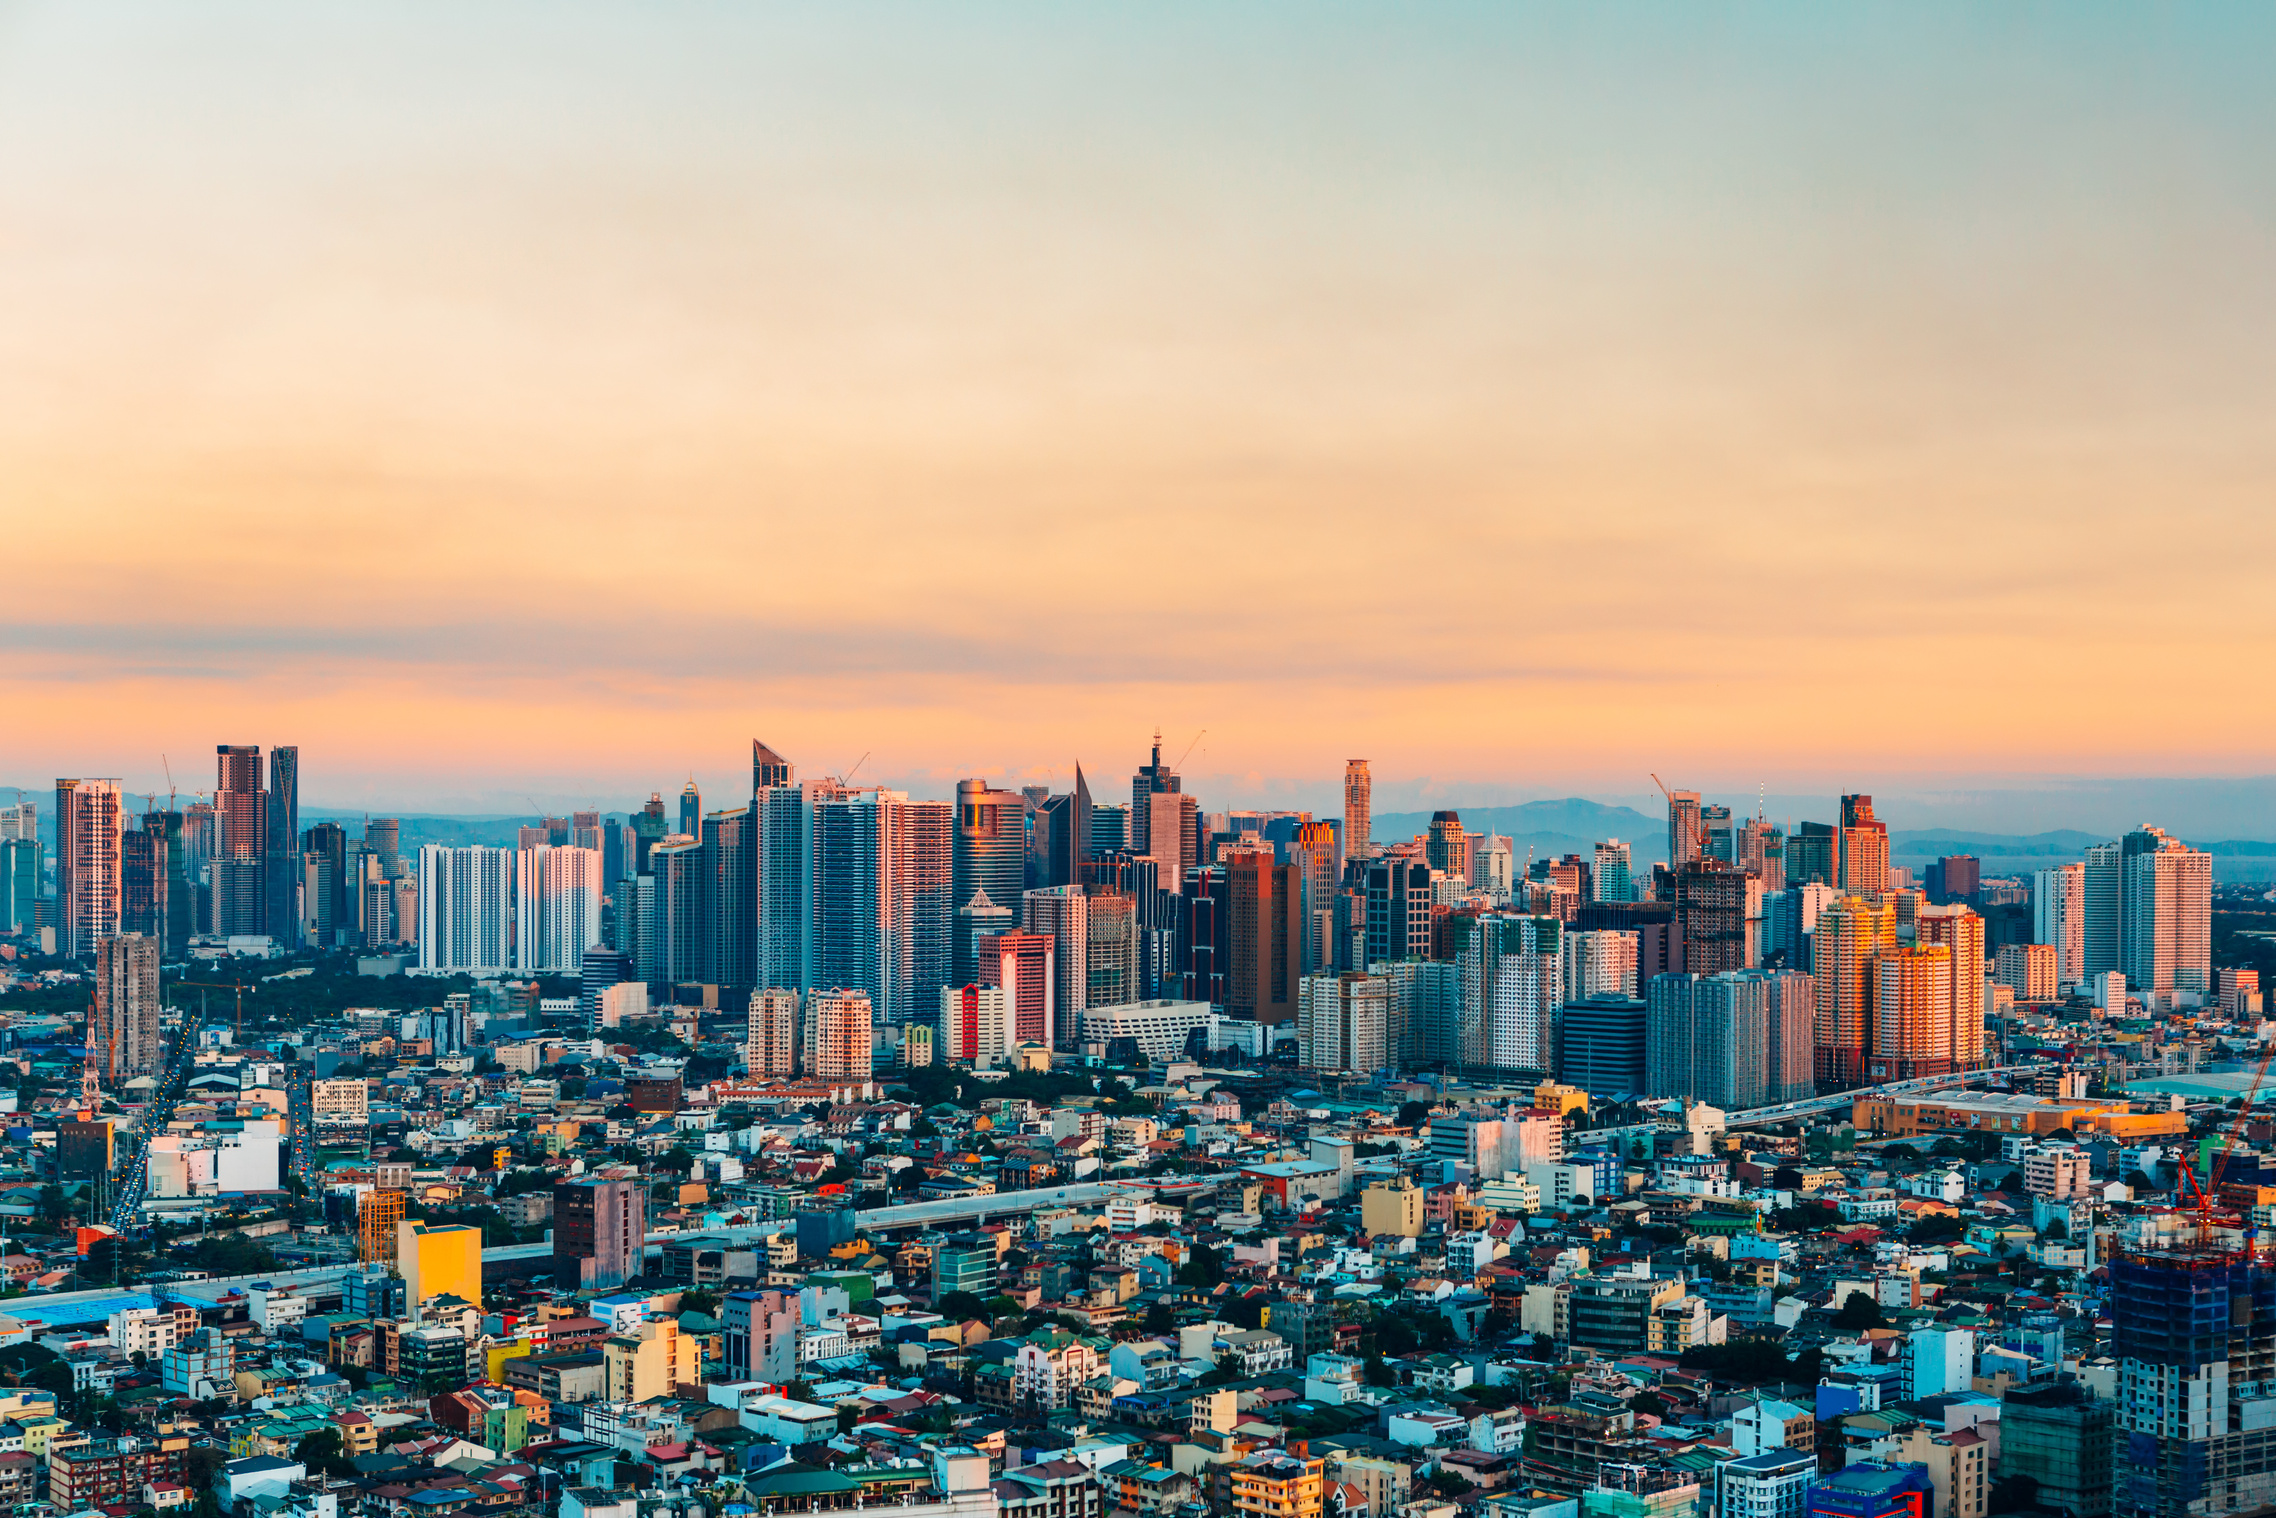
(767, 767)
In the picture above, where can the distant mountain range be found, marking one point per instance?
(1549, 828)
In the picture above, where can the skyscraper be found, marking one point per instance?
(1609, 879)
(1850, 935)
(280, 888)
(2058, 918)
(1722, 843)
(1110, 828)
(1153, 779)
(144, 878)
(126, 1005)
(771, 1046)
(679, 923)
(1790, 1071)
(691, 809)
(1709, 1037)
(1062, 913)
(1026, 966)
(1813, 855)
(1864, 848)
(1358, 813)
(1264, 939)
(1398, 909)
(990, 856)
(1342, 1022)
(240, 853)
(768, 768)
(730, 856)
(329, 896)
(1511, 978)
(884, 916)
(1957, 928)
(1600, 962)
(1318, 858)
(1447, 849)
(559, 895)
(2166, 921)
(1110, 955)
(90, 824)
(1422, 1012)
(974, 1027)
(1716, 914)
(466, 907)
(1682, 828)
(835, 1039)
(1913, 1015)
(782, 888)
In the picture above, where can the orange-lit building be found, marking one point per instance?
(2000, 1112)
(1850, 935)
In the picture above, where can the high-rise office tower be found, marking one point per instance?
(730, 855)
(126, 1005)
(1447, 850)
(1026, 966)
(1722, 843)
(1864, 848)
(1955, 877)
(328, 894)
(144, 878)
(1600, 962)
(1173, 838)
(1110, 955)
(772, 1044)
(1491, 867)
(1682, 828)
(2058, 919)
(679, 911)
(1609, 875)
(768, 768)
(1913, 1015)
(1422, 1011)
(90, 825)
(2104, 880)
(1957, 928)
(1343, 1022)
(691, 809)
(1850, 935)
(559, 895)
(1398, 909)
(1062, 913)
(1264, 938)
(466, 908)
(240, 852)
(600, 1233)
(975, 1028)
(383, 837)
(1709, 1037)
(23, 866)
(835, 1038)
(2166, 914)
(1318, 858)
(1110, 828)
(1058, 837)
(1155, 779)
(649, 828)
(1511, 980)
(1358, 810)
(782, 890)
(1717, 913)
(884, 917)
(1813, 855)
(281, 878)
(990, 856)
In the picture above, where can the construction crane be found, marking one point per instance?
(1197, 737)
(172, 805)
(1698, 827)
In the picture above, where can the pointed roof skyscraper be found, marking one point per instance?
(767, 767)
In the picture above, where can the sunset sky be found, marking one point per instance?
(541, 401)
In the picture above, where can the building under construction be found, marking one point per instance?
(2195, 1339)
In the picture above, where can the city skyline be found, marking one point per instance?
(730, 371)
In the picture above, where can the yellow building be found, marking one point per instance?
(498, 1354)
(1549, 1096)
(1394, 1206)
(651, 1362)
(2004, 1112)
(439, 1260)
(1274, 1484)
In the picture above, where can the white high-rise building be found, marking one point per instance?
(1600, 962)
(974, 1028)
(559, 908)
(1342, 1022)
(835, 1043)
(773, 1034)
(2058, 919)
(90, 826)
(466, 909)
(1490, 870)
(1612, 877)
